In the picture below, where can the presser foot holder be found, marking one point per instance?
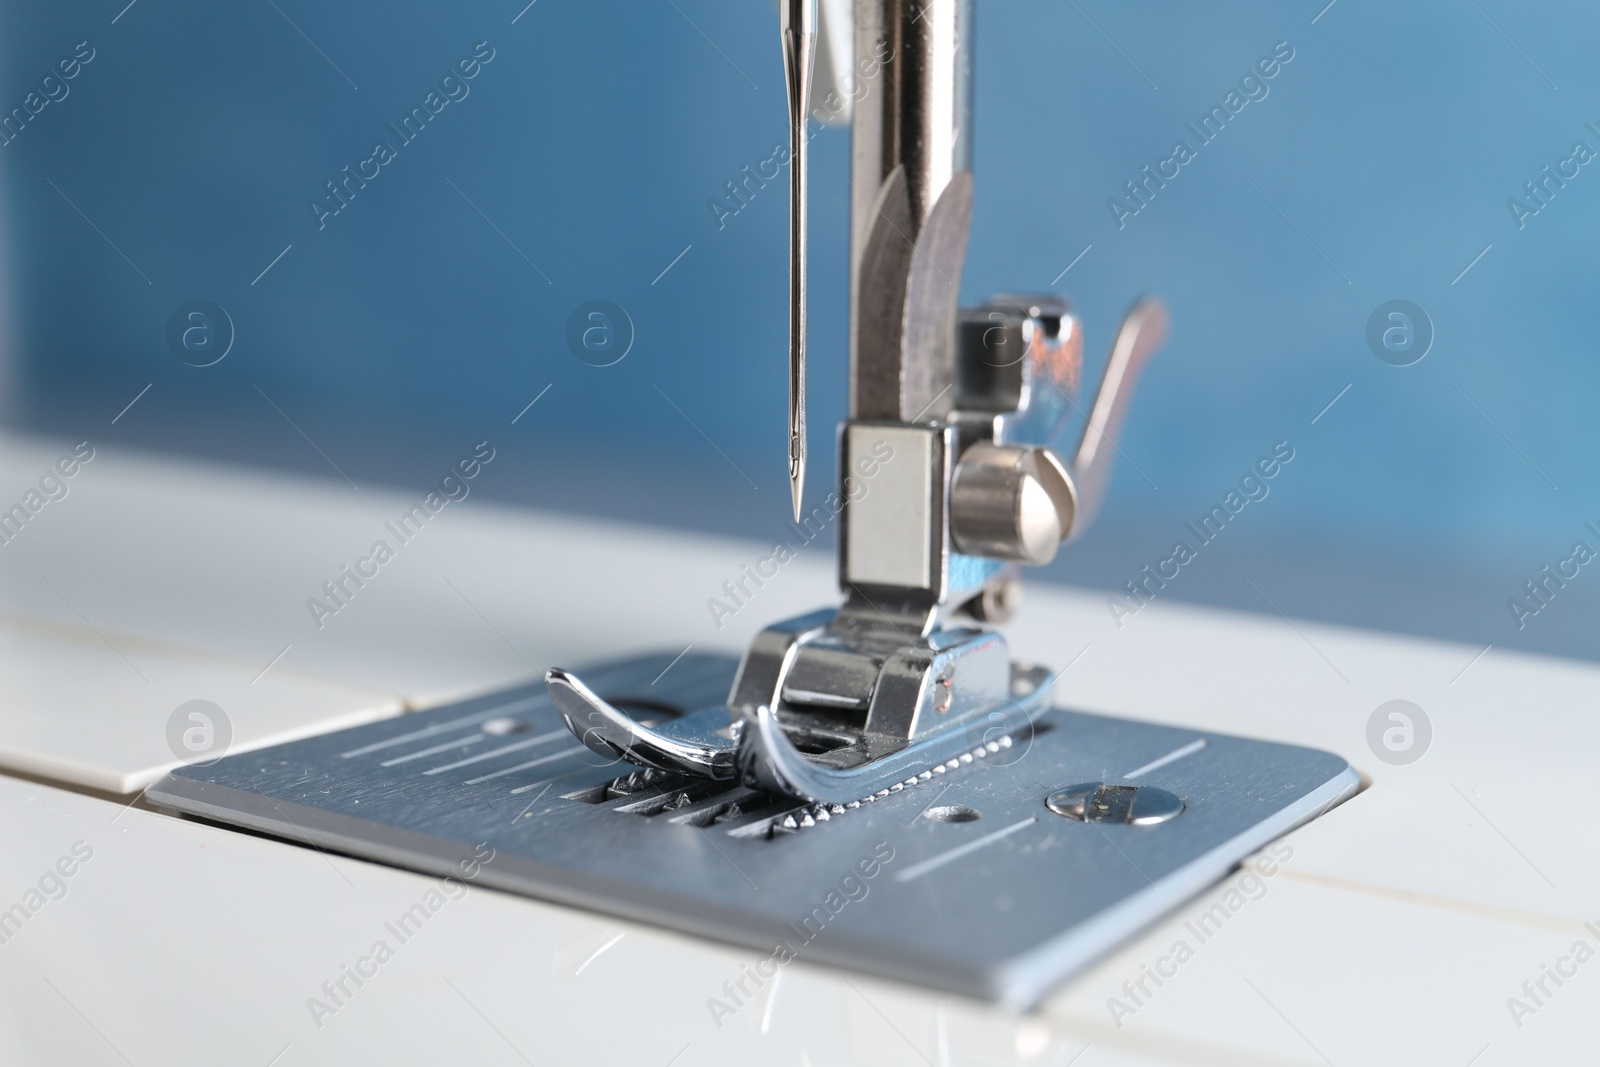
(979, 883)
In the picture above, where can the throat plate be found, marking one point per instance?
(968, 882)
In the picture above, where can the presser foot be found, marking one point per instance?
(831, 711)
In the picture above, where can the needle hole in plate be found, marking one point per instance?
(953, 813)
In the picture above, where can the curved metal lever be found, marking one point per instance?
(1141, 333)
(690, 745)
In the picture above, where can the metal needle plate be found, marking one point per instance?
(1002, 902)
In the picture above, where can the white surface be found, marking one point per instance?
(179, 943)
(92, 708)
(1395, 934)
(223, 560)
(1460, 825)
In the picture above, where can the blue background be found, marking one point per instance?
(433, 308)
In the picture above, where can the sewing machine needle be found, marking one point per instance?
(799, 29)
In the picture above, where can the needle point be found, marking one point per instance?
(797, 483)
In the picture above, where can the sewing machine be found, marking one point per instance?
(884, 816)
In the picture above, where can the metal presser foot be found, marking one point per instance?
(820, 752)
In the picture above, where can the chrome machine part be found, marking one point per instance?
(699, 744)
(874, 765)
(950, 460)
(1018, 368)
(1127, 805)
(1012, 502)
(799, 35)
(831, 714)
(1021, 357)
(910, 201)
(1142, 331)
(893, 539)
